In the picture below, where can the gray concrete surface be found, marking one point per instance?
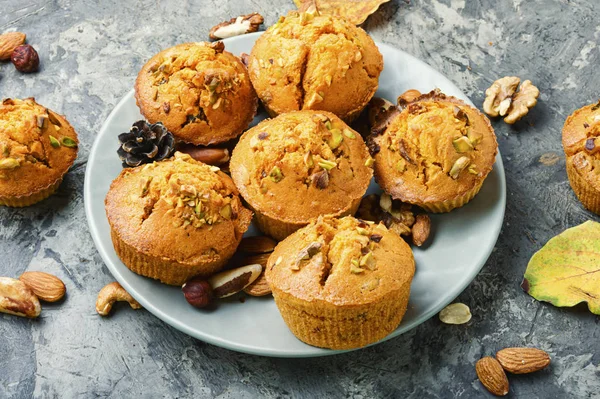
(90, 53)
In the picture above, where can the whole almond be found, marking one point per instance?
(261, 259)
(492, 376)
(257, 245)
(209, 156)
(522, 360)
(18, 299)
(9, 42)
(421, 229)
(45, 286)
(409, 95)
(259, 287)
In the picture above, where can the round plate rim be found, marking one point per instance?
(313, 352)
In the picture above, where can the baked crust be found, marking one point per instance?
(201, 93)
(416, 154)
(174, 219)
(280, 167)
(315, 62)
(581, 146)
(350, 290)
(37, 148)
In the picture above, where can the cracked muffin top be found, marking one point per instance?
(179, 209)
(200, 92)
(341, 262)
(318, 62)
(37, 147)
(436, 149)
(301, 165)
(581, 142)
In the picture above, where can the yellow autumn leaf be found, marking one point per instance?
(566, 271)
(354, 11)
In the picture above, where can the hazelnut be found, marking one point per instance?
(25, 59)
(197, 292)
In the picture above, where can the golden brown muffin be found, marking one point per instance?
(200, 92)
(175, 219)
(435, 153)
(581, 144)
(37, 148)
(299, 166)
(341, 283)
(315, 62)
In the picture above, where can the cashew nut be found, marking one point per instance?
(110, 294)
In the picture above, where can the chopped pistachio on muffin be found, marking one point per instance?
(37, 148)
(318, 62)
(175, 219)
(341, 283)
(435, 153)
(199, 91)
(298, 166)
(581, 142)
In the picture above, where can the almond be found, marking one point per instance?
(257, 245)
(522, 360)
(209, 156)
(409, 96)
(9, 42)
(45, 286)
(261, 259)
(492, 376)
(421, 229)
(259, 287)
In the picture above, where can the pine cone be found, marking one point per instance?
(145, 143)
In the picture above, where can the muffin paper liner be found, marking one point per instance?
(19, 202)
(167, 271)
(448, 205)
(589, 197)
(348, 327)
(279, 229)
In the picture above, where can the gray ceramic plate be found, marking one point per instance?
(462, 240)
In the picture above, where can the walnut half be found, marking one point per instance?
(523, 101)
(498, 96)
(503, 99)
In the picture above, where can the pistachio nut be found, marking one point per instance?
(462, 144)
(460, 165)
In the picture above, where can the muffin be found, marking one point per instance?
(175, 219)
(435, 153)
(37, 148)
(581, 144)
(200, 92)
(341, 283)
(317, 62)
(298, 166)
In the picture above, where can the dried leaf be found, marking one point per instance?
(566, 271)
(354, 11)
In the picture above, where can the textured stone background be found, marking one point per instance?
(90, 53)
